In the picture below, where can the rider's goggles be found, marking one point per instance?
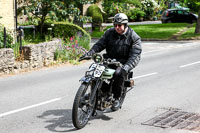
(118, 25)
(118, 19)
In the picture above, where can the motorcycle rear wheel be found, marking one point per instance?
(83, 106)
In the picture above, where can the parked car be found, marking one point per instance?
(178, 16)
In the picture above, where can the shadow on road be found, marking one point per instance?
(61, 120)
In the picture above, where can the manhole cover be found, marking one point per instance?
(176, 119)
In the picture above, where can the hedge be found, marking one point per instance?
(95, 12)
(66, 30)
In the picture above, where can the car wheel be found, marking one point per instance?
(162, 21)
(169, 21)
(193, 21)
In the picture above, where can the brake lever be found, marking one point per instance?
(85, 58)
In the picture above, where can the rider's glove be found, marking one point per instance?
(88, 54)
(121, 71)
(127, 68)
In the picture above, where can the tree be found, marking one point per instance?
(55, 10)
(75, 10)
(194, 5)
(43, 10)
(111, 7)
(197, 30)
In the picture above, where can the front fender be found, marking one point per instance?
(85, 79)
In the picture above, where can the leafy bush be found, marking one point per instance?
(76, 41)
(112, 7)
(135, 14)
(71, 50)
(148, 8)
(97, 16)
(66, 30)
(9, 38)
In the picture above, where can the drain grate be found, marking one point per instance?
(176, 119)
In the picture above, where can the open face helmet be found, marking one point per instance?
(120, 18)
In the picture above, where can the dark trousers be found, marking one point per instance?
(118, 83)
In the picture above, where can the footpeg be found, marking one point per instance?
(129, 83)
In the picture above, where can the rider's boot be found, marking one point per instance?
(116, 105)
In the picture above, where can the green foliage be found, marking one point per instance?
(148, 8)
(135, 9)
(136, 3)
(55, 10)
(194, 5)
(9, 38)
(30, 39)
(47, 10)
(95, 12)
(112, 7)
(52, 9)
(71, 50)
(66, 30)
(136, 14)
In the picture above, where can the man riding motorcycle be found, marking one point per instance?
(123, 44)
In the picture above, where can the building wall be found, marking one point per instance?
(7, 13)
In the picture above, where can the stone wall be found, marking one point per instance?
(7, 60)
(34, 56)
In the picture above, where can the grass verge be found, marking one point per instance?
(189, 34)
(157, 31)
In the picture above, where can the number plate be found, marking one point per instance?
(99, 70)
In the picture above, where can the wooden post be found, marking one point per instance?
(5, 41)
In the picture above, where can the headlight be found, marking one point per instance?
(97, 58)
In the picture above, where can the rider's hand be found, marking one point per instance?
(121, 71)
(90, 53)
(87, 55)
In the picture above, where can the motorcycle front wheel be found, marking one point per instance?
(83, 106)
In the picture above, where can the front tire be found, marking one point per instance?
(83, 106)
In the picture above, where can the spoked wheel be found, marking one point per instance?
(83, 106)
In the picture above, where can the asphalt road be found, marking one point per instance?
(166, 78)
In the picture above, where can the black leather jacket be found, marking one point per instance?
(125, 48)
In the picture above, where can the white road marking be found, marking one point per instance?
(146, 75)
(56, 99)
(29, 107)
(153, 51)
(171, 47)
(194, 63)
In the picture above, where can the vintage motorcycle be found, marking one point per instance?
(95, 91)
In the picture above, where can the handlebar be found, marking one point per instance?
(105, 61)
(85, 58)
(112, 62)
